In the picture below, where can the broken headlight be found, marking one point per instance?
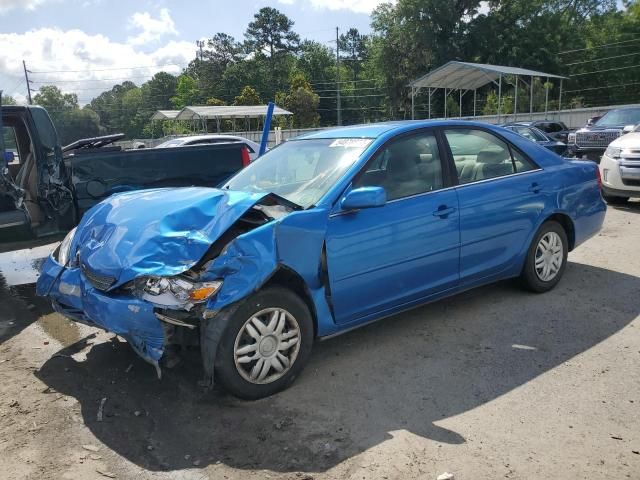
(174, 291)
(65, 248)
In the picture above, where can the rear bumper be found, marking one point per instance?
(127, 316)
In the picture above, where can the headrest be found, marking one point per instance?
(492, 156)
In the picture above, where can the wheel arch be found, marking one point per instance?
(292, 280)
(567, 224)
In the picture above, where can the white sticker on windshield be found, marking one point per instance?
(350, 142)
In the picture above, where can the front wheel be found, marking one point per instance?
(546, 258)
(265, 345)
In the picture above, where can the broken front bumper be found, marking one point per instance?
(131, 318)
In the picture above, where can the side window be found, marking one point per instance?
(479, 155)
(521, 163)
(10, 143)
(407, 166)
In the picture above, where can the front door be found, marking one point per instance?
(382, 258)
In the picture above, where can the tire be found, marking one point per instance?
(613, 200)
(239, 343)
(533, 278)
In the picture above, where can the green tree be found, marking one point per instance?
(76, 123)
(303, 103)
(248, 96)
(52, 98)
(8, 100)
(158, 92)
(215, 102)
(187, 92)
(271, 34)
(353, 49)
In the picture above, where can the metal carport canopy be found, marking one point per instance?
(165, 115)
(219, 112)
(471, 76)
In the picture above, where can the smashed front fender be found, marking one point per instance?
(131, 318)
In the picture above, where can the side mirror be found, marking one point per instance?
(628, 128)
(9, 157)
(364, 197)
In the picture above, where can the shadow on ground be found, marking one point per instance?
(20, 308)
(404, 373)
(633, 206)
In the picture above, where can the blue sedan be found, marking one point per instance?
(324, 233)
(536, 135)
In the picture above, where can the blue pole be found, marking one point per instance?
(266, 129)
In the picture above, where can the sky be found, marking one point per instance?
(87, 46)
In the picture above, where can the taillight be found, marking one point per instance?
(244, 155)
(598, 177)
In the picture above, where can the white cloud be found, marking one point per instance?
(7, 5)
(152, 29)
(358, 6)
(86, 64)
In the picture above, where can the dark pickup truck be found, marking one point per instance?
(45, 189)
(591, 141)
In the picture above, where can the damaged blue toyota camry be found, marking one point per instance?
(324, 233)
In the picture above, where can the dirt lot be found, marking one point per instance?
(495, 383)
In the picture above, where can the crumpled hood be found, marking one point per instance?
(156, 232)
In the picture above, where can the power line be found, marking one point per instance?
(51, 81)
(601, 88)
(606, 70)
(358, 96)
(332, 82)
(601, 59)
(604, 45)
(111, 69)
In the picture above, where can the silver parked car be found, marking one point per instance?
(253, 147)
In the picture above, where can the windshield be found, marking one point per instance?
(627, 116)
(531, 134)
(171, 143)
(301, 171)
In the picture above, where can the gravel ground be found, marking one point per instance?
(493, 383)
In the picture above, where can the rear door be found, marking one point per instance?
(97, 175)
(501, 196)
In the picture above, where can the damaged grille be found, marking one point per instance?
(100, 282)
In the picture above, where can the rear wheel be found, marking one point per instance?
(613, 200)
(546, 258)
(265, 345)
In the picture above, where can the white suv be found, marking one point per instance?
(620, 168)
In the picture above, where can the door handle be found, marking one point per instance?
(443, 211)
(535, 187)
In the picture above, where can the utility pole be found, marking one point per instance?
(338, 76)
(26, 78)
(200, 44)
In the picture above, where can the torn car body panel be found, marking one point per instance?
(294, 242)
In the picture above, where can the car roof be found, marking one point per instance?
(208, 137)
(376, 130)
